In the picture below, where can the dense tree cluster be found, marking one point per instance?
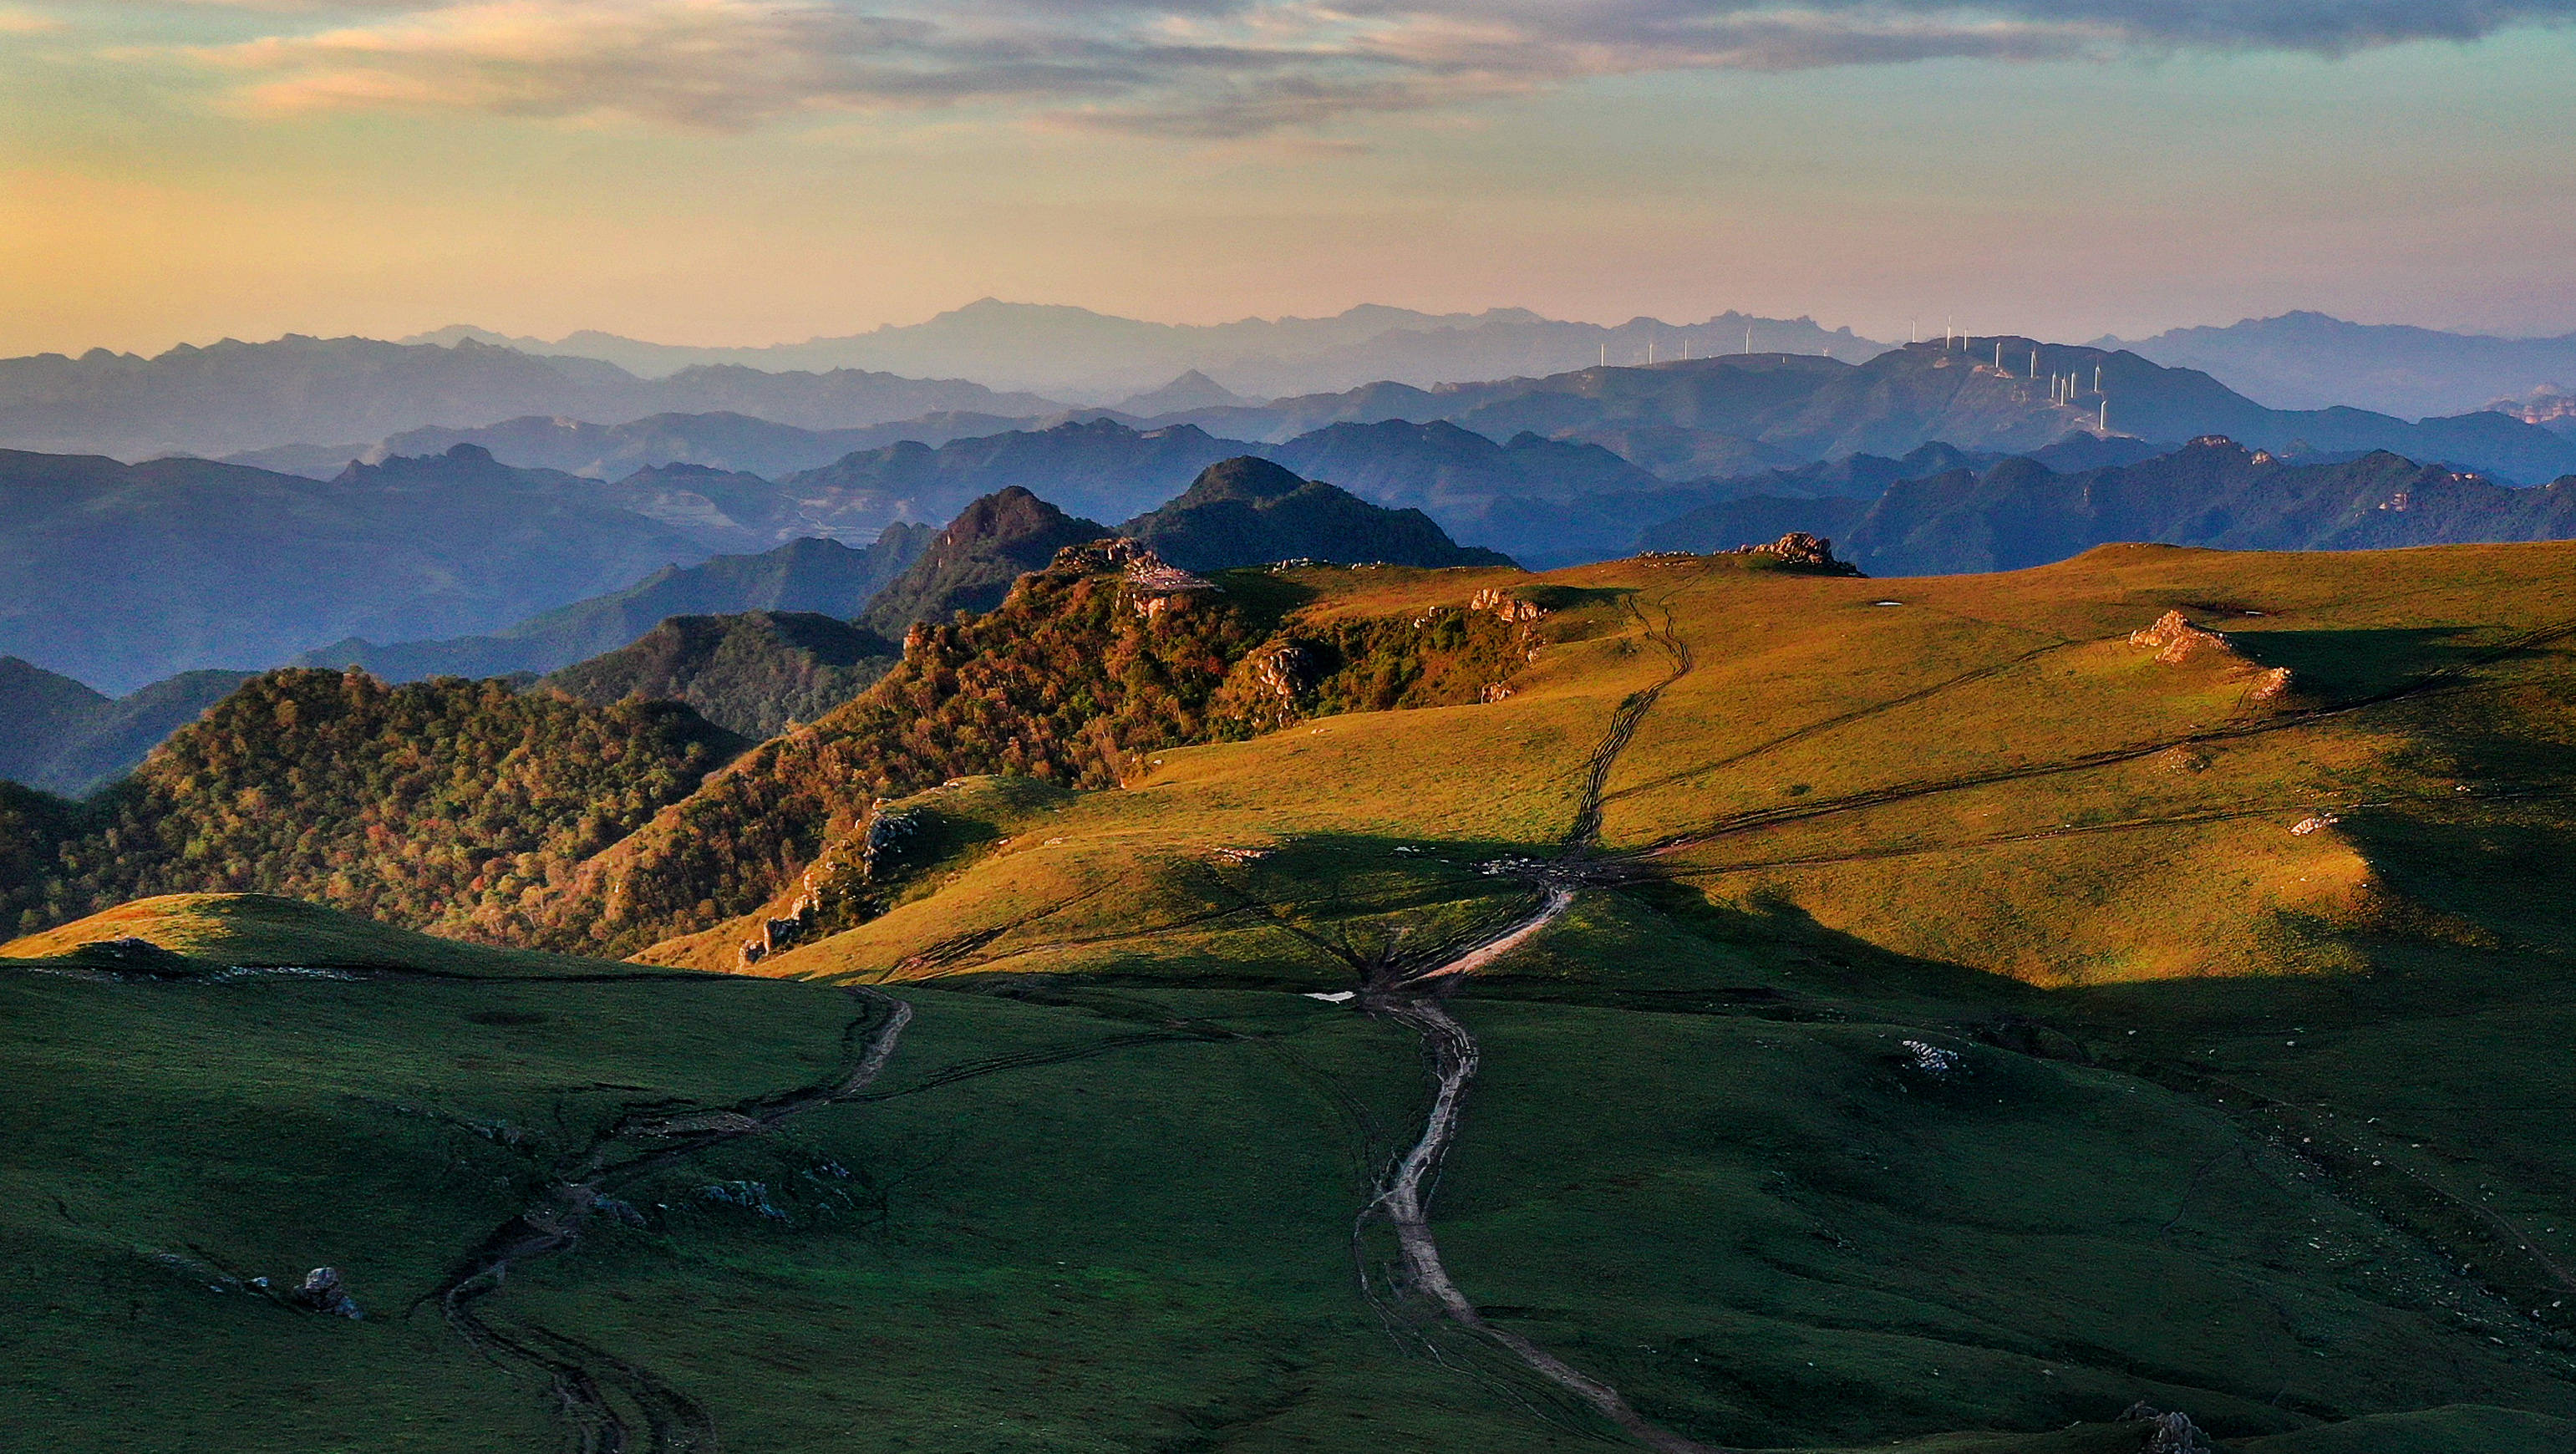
(532, 818)
(1065, 681)
(1068, 680)
(438, 804)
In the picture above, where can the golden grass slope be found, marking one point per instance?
(1978, 770)
(263, 931)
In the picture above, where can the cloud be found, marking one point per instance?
(15, 20)
(1213, 68)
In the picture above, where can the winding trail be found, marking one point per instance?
(578, 1374)
(1410, 996)
(1586, 831)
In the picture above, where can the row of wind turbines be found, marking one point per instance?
(2063, 389)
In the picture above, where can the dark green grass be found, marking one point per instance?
(1074, 1216)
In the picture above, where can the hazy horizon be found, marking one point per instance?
(731, 173)
(562, 339)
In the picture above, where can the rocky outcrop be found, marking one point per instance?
(323, 1291)
(2169, 1432)
(1798, 550)
(1154, 585)
(1505, 605)
(2177, 642)
(826, 899)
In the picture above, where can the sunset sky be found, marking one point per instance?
(749, 171)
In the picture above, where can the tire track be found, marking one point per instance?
(1845, 719)
(2441, 679)
(1586, 831)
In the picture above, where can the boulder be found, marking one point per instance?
(1800, 551)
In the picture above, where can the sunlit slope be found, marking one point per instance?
(1987, 772)
(187, 934)
(1329, 801)
(1992, 773)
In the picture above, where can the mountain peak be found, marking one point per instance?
(1244, 477)
(1191, 390)
(1247, 510)
(970, 567)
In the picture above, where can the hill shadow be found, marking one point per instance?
(2347, 662)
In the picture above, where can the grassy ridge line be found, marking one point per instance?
(212, 934)
(2439, 680)
(1409, 993)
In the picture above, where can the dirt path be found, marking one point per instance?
(1410, 996)
(577, 1374)
(1623, 726)
(1403, 1201)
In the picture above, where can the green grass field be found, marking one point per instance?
(2265, 1126)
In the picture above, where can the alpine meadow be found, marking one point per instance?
(1245, 729)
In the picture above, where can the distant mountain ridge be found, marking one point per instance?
(58, 735)
(721, 440)
(1094, 466)
(820, 576)
(2213, 492)
(752, 672)
(970, 565)
(1249, 511)
(120, 574)
(2000, 394)
(1076, 353)
(2313, 361)
(236, 396)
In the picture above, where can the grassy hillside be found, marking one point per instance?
(217, 934)
(1933, 1016)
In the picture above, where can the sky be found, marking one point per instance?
(755, 171)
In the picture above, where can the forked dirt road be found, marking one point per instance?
(1411, 997)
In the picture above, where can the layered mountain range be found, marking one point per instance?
(1952, 516)
(1078, 354)
(751, 641)
(237, 396)
(1032, 982)
(2312, 361)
